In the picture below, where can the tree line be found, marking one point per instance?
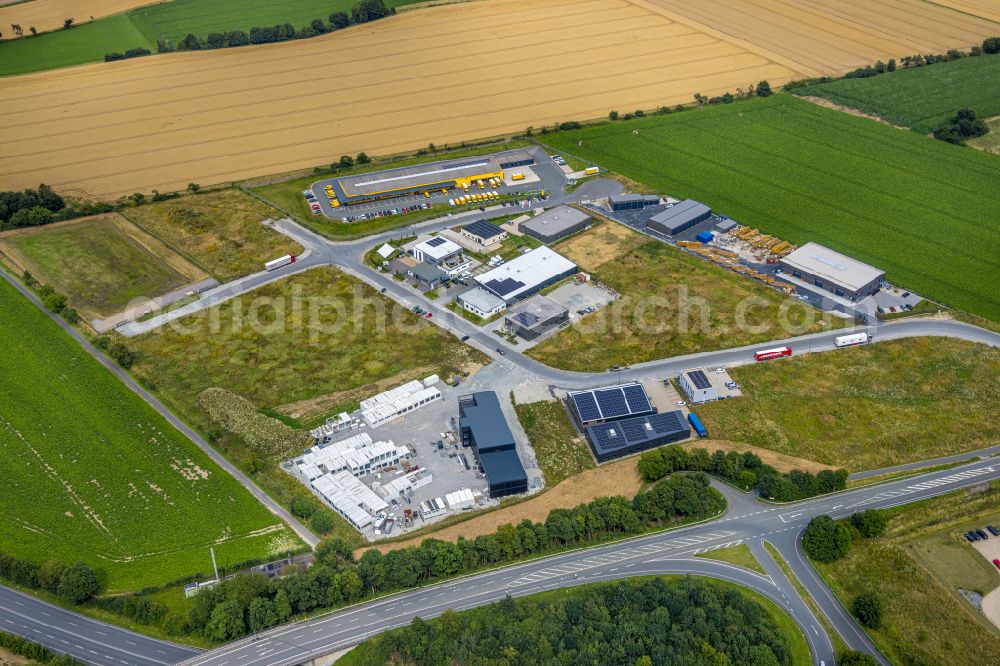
(252, 603)
(745, 470)
(362, 12)
(73, 583)
(37, 653)
(687, 621)
(35, 207)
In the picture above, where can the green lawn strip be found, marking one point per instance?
(806, 173)
(915, 569)
(94, 473)
(304, 358)
(560, 452)
(95, 265)
(923, 98)
(674, 303)
(887, 403)
(373, 650)
(79, 45)
(924, 307)
(838, 643)
(740, 555)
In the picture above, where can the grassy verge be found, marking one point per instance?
(924, 307)
(673, 303)
(220, 231)
(882, 478)
(560, 451)
(915, 568)
(740, 555)
(886, 404)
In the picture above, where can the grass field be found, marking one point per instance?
(989, 142)
(924, 619)
(922, 210)
(219, 231)
(924, 98)
(91, 472)
(739, 555)
(99, 263)
(673, 303)
(884, 404)
(560, 451)
(327, 348)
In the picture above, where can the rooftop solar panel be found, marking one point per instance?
(526, 319)
(437, 240)
(636, 398)
(503, 287)
(667, 422)
(483, 229)
(634, 429)
(699, 379)
(586, 407)
(612, 403)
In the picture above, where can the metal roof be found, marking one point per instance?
(535, 310)
(837, 268)
(555, 220)
(525, 273)
(483, 229)
(428, 272)
(481, 299)
(437, 247)
(681, 213)
(416, 176)
(486, 421)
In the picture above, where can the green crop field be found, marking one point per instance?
(91, 472)
(173, 20)
(923, 98)
(884, 404)
(922, 210)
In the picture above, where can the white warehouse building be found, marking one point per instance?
(350, 498)
(358, 455)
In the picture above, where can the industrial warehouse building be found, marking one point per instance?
(535, 317)
(621, 438)
(700, 385)
(481, 302)
(444, 175)
(556, 224)
(632, 201)
(821, 269)
(609, 403)
(483, 232)
(679, 217)
(353, 500)
(527, 274)
(484, 428)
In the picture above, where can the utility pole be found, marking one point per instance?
(214, 567)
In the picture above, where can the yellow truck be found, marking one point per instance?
(590, 171)
(517, 176)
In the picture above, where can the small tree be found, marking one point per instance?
(193, 188)
(189, 43)
(33, 31)
(137, 198)
(215, 40)
(764, 89)
(68, 23)
(346, 161)
(868, 609)
(54, 302)
(339, 20)
(78, 583)
(870, 523)
(991, 45)
(121, 354)
(226, 621)
(321, 522)
(363, 158)
(891, 65)
(826, 540)
(70, 315)
(613, 115)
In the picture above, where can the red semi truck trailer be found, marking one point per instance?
(777, 352)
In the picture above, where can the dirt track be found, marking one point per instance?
(438, 75)
(50, 14)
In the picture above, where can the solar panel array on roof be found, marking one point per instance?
(483, 229)
(527, 319)
(699, 379)
(619, 438)
(613, 402)
(504, 287)
(437, 240)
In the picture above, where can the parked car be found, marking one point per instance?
(968, 537)
(500, 351)
(464, 338)
(681, 403)
(383, 290)
(428, 315)
(982, 534)
(972, 536)
(994, 531)
(996, 563)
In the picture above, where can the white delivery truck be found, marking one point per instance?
(279, 262)
(851, 340)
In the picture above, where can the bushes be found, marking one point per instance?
(34, 651)
(991, 46)
(744, 470)
(868, 609)
(854, 658)
(965, 125)
(247, 602)
(75, 583)
(269, 437)
(826, 540)
(870, 523)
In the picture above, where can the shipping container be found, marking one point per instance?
(704, 237)
(696, 424)
(777, 352)
(851, 340)
(279, 262)
(590, 171)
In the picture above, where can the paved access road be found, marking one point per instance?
(87, 640)
(746, 521)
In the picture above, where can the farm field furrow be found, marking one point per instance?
(356, 90)
(803, 172)
(985, 8)
(92, 472)
(49, 14)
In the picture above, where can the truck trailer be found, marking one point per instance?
(851, 340)
(696, 424)
(777, 352)
(279, 262)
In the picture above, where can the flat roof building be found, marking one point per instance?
(527, 274)
(481, 302)
(822, 268)
(555, 224)
(679, 217)
(483, 427)
(428, 275)
(621, 438)
(632, 201)
(535, 317)
(436, 250)
(483, 232)
(609, 403)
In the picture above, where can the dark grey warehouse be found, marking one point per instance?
(679, 217)
(621, 438)
(483, 427)
(632, 201)
(556, 224)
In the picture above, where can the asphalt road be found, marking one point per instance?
(746, 521)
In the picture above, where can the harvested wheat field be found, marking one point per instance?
(440, 74)
(617, 478)
(49, 14)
